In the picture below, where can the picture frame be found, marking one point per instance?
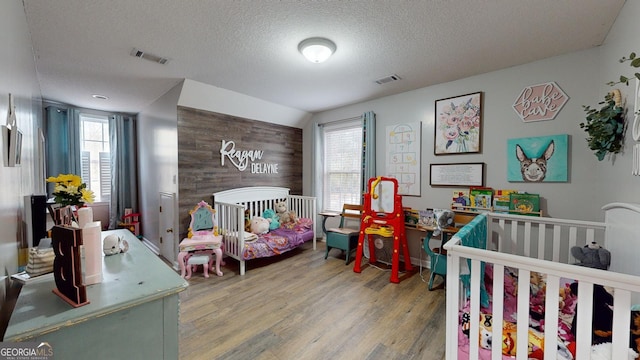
(457, 174)
(538, 159)
(458, 124)
(404, 147)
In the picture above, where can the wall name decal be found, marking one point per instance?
(242, 159)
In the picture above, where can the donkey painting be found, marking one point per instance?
(534, 169)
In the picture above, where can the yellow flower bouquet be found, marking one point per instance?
(70, 190)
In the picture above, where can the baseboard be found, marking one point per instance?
(424, 262)
(154, 249)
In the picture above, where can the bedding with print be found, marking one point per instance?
(537, 283)
(279, 241)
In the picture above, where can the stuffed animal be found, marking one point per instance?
(592, 255)
(247, 220)
(601, 316)
(113, 244)
(259, 225)
(603, 352)
(285, 216)
(274, 220)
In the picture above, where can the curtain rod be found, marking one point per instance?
(341, 120)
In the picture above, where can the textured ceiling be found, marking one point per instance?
(82, 47)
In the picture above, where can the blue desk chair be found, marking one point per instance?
(343, 237)
(438, 256)
(437, 260)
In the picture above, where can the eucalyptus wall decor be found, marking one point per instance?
(605, 126)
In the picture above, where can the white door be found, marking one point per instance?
(168, 227)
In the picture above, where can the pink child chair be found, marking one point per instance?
(202, 242)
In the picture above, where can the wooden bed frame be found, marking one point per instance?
(543, 245)
(230, 206)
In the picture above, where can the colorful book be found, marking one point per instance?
(411, 217)
(501, 199)
(427, 218)
(480, 198)
(460, 199)
(524, 204)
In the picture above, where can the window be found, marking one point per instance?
(95, 155)
(342, 164)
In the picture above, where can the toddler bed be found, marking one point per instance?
(514, 280)
(230, 206)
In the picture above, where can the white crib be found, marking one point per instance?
(543, 245)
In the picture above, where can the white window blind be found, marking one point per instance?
(342, 166)
(96, 165)
(105, 175)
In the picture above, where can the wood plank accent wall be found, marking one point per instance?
(200, 173)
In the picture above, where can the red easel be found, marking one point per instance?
(382, 215)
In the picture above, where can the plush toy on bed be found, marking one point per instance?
(602, 314)
(592, 255)
(286, 216)
(272, 218)
(259, 225)
(247, 220)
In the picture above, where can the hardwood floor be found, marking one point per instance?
(301, 306)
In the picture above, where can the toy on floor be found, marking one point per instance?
(130, 221)
(383, 215)
(202, 242)
(200, 258)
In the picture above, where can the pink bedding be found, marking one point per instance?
(537, 282)
(279, 241)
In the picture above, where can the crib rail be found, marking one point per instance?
(527, 245)
(305, 207)
(231, 227)
(539, 237)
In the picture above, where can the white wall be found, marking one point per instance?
(17, 76)
(210, 98)
(157, 159)
(582, 75)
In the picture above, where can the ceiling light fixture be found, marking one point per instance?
(101, 97)
(317, 49)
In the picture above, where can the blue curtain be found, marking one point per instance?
(63, 155)
(63, 142)
(124, 189)
(368, 148)
(316, 167)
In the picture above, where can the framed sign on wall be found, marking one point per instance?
(459, 174)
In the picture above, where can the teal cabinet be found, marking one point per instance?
(132, 314)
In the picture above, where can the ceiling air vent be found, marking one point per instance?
(143, 55)
(387, 79)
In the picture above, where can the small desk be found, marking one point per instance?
(325, 215)
(438, 260)
(132, 314)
